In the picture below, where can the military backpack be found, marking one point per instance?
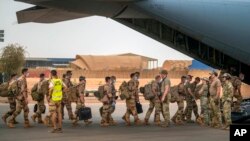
(99, 94)
(148, 92)
(124, 91)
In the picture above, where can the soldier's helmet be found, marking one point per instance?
(227, 75)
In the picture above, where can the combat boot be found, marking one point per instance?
(174, 120)
(4, 118)
(88, 122)
(138, 122)
(15, 122)
(11, 125)
(127, 120)
(105, 124)
(146, 122)
(27, 124)
(40, 121)
(33, 117)
(74, 123)
(112, 123)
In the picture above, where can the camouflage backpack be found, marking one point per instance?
(4, 90)
(124, 91)
(72, 94)
(99, 94)
(174, 94)
(148, 93)
(36, 96)
(13, 88)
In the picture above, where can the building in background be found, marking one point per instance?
(48, 62)
(120, 62)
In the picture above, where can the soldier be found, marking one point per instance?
(237, 91)
(81, 101)
(227, 100)
(12, 101)
(165, 98)
(190, 98)
(106, 110)
(42, 87)
(215, 90)
(113, 100)
(131, 102)
(65, 101)
(203, 92)
(22, 100)
(56, 87)
(155, 102)
(177, 118)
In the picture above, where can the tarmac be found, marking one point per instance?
(93, 132)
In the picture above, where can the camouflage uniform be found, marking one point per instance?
(112, 102)
(215, 104)
(131, 102)
(106, 108)
(21, 103)
(178, 117)
(42, 86)
(237, 87)
(12, 103)
(65, 100)
(191, 103)
(80, 103)
(154, 103)
(165, 103)
(227, 101)
(204, 105)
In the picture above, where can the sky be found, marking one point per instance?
(86, 36)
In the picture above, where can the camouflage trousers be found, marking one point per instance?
(191, 107)
(157, 105)
(40, 109)
(204, 115)
(12, 103)
(165, 110)
(106, 113)
(66, 103)
(227, 112)
(215, 112)
(21, 105)
(236, 106)
(131, 109)
(178, 117)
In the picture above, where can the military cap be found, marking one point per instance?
(163, 72)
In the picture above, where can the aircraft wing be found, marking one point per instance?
(46, 15)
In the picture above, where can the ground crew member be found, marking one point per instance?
(65, 101)
(56, 87)
(227, 100)
(106, 112)
(165, 98)
(237, 81)
(42, 88)
(131, 101)
(203, 92)
(215, 90)
(154, 103)
(177, 118)
(22, 100)
(12, 102)
(81, 101)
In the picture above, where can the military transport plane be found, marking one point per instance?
(215, 32)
